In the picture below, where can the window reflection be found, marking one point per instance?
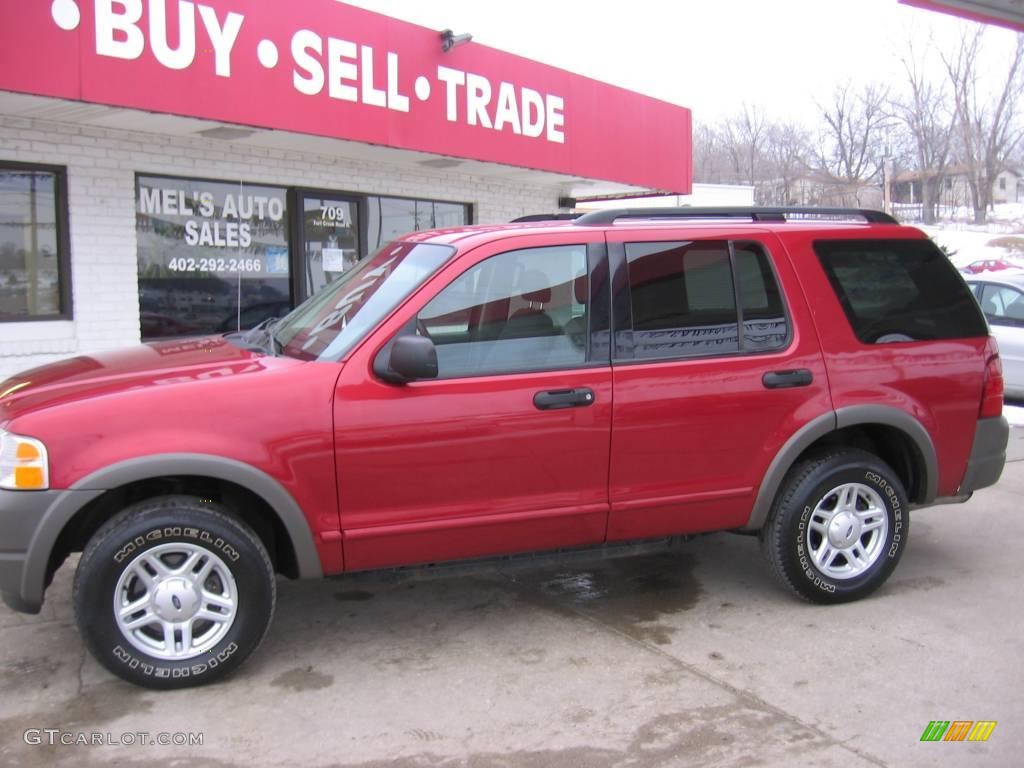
(213, 256)
(29, 253)
(330, 230)
(391, 217)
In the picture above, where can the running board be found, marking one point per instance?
(521, 560)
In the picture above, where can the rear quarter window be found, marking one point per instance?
(899, 290)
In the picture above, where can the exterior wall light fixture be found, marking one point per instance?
(449, 40)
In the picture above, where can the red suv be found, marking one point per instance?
(808, 376)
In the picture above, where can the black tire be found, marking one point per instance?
(790, 539)
(178, 525)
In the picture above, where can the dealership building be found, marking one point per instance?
(175, 168)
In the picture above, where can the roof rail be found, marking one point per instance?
(546, 217)
(610, 216)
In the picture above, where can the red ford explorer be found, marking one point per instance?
(809, 376)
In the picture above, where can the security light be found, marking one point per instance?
(449, 40)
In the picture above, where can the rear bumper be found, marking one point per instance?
(988, 456)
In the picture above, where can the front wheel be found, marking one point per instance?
(173, 592)
(838, 526)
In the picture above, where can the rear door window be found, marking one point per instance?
(695, 298)
(899, 290)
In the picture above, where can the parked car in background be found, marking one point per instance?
(156, 325)
(1002, 300)
(987, 265)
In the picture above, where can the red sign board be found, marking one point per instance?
(321, 67)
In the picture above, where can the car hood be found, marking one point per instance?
(145, 365)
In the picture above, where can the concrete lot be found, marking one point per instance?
(697, 658)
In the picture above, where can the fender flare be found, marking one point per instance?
(68, 504)
(832, 421)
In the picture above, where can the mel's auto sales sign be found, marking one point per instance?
(325, 68)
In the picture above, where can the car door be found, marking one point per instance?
(1003, 306)
(704, 396)
(507, 449)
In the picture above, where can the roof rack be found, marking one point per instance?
(546, 217)
(610, 216)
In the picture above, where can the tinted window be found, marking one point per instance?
(683, 299)
(899, 290)
(1003, 305)
(764, 317)
(32, 215)
(517, 311)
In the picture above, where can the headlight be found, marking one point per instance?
(23, 465)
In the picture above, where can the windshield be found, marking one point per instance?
(330, 323)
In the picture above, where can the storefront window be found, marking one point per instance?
(330, 236)
(389, 217)
(213, 256)
(219, 256)
(34, 272)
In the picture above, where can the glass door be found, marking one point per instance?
(329, 238)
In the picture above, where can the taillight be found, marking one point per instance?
(992, 388)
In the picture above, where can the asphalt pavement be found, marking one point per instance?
(686, 659)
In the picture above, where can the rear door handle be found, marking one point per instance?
(801, 377)
(563, 398)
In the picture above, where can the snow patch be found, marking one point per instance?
(1014, 414)
(970, 242)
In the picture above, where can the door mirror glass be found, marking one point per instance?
(409, 358)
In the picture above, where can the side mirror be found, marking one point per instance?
(406, 359)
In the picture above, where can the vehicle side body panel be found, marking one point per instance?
(692, 437)
(207, 407)
(937, 383)
(466, 467)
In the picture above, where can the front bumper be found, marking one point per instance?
(988, 455)
(30, 522)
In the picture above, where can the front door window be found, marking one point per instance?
(523, 310)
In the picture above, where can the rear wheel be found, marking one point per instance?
(173, 592)
(838, 526)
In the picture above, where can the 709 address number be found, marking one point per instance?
(215, 265)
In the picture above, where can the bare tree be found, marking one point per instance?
(929, 119)
(744, 136)
(989, 125)
(749, 148)
(710, 159)
(787, 150)
(851, 146)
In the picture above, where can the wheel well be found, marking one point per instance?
(893, 446)
(237, 500)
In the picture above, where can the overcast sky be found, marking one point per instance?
(709, 55)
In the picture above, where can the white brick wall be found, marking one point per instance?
(101, 167)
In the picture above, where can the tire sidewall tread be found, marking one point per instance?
(98, 572)
(801, 491)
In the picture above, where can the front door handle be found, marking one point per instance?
(563, 398)
(801, 377)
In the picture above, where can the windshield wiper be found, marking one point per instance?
(276, 347)
(260, 337)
